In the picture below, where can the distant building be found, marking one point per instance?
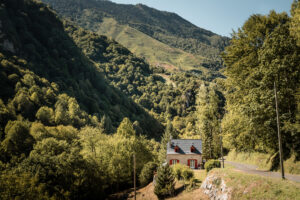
(185, 151)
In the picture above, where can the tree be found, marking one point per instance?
(295, 21)
(207, 120)
(17, 139)
(45, 115)
(164, 182)
(126, 128)
(90, 138)
(147, 173)
(261, 52)
(106, 124)
(169, 133)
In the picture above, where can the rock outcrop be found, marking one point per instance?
(215, 187)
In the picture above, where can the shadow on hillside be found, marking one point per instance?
(179, 190)
(51, 53)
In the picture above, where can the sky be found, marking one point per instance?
(218, 16)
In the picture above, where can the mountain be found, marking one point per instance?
(163, 38)
(44, 71)
(66, 132)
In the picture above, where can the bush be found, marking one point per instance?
(187, 174)
(146, 175)
(182, 172)
(209, 165)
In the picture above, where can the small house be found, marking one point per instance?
(185, 151)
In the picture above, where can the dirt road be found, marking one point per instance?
(252, 169)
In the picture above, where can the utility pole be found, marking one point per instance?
(222, 151)
(134, 176)
(221, 140)
(279, 134)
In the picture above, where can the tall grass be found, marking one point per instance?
(249, 186)
(262, 161)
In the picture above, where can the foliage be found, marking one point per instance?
(50, 79)
(210, 164)
(164, 182)
(261, 53)
(169, 133)
(263, 160)
(161, 37)
(147, 173)
(183, 172)
(208, 116)
(53, 144)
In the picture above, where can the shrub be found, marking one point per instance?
(187, 174)
(146, 175)
(182, 171)
(209, 165)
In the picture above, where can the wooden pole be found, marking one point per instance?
(134, 176)
(221, 138)
(222, 151)
(279, 134)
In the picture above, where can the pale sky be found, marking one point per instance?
(218, 16)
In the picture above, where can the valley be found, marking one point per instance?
(93, 92)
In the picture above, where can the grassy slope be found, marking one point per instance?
(160, 37)
(147, 193)
(245, 186)
(261, 160)
(145, 46)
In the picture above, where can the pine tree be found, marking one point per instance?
(169, 133)
(207, 120)
(106, 124)
(164, 185)
(126, 128)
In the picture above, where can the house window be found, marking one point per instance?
(193, 149)
(176, 149)
(192, 163)
(174, 161)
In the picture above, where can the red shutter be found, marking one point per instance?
(188, 162)
(177, 161)
(196, 166)
(170, 162)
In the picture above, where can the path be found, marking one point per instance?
(251, 169)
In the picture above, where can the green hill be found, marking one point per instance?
(58, 109)
(163, 38)
(41, 67)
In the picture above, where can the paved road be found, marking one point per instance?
(251, 169)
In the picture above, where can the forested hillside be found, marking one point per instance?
(40, 53)
(167, 28)
(57, 110)
(64, 92)
(75, 106)
(174, 101)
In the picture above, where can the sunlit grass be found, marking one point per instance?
(246, 186)
(261, 161)
(145, 46)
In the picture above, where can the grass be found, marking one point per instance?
(200, 175)
(155, 52)
(147, 193)
(254, 158)
(246, 186)
(261, 160)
